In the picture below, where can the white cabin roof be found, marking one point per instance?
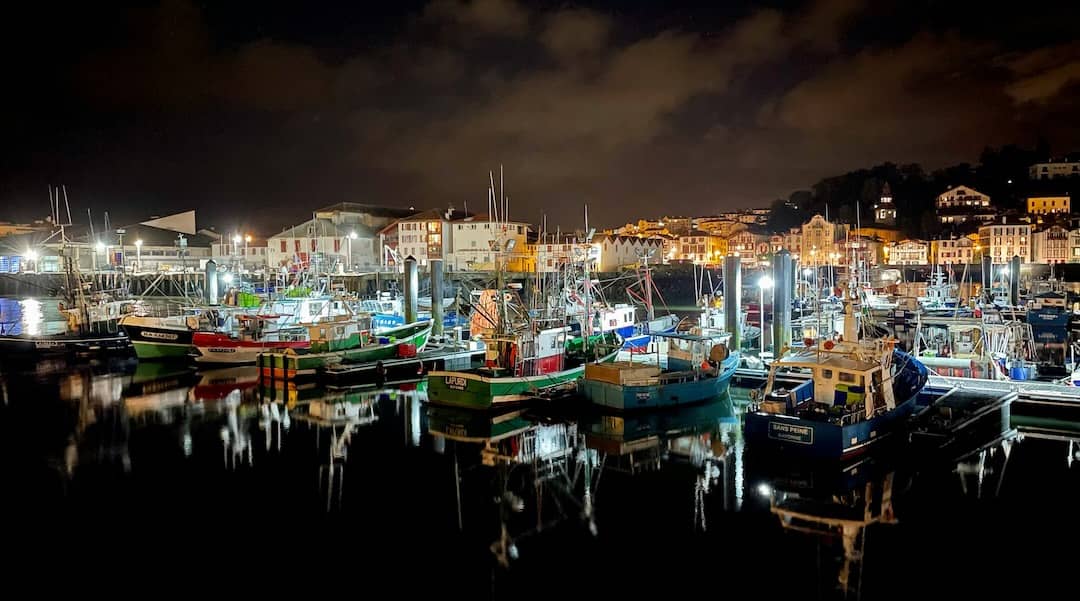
(828, 360)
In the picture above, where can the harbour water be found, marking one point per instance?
(121, 473)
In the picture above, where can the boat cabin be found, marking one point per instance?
(843, 387)
(689, 352)
(340, 333)
(528, 354)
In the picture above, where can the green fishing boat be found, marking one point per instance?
(333, 343)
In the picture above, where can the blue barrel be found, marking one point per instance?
(1018, 372)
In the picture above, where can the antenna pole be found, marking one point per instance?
(495, 201)
(66, 205)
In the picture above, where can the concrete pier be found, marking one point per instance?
(733, 299)
(412, 285)
(783, 281)
(1014, 281)
(436, 297)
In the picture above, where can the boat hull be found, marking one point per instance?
(637, 340)
(822, 440)
(290, 364)
(231, 355)
(34, 347)
(473, 390)
(667, 394)
(153, 343)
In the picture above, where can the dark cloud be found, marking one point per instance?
(572, 34)
(494, 17)
(1042, 74)
(580, 104)
(178, 69)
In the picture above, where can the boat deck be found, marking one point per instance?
(1045, 399)
(403, 370)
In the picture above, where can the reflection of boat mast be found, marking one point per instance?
(538, 467)
(839, 518)
(984, 464)
(235, 443)
(341, 416)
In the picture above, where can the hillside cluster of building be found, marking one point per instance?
(351, 237)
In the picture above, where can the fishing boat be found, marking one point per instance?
(387, 311)
(858, 394)
(527, 352)
(332, 343)
(160, 337)
(699, 368)
(253, 337)
(940, 294)
(518, 367)
(988, 346)
(17, 346)
(711, 320)
(90, 316)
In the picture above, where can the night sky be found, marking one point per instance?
(257, 112)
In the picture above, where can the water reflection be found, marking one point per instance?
(30, 316)
(541, 472)
(523, 489)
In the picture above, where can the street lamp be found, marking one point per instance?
(348, 260)
(764, 282)
(138, 255)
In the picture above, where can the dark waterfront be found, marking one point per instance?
(161, 468)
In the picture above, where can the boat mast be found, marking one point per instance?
(650, 312)
(587, 326)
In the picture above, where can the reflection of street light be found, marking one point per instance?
(227, 278)
(101, 247)
(32, 257)
(138, 255)
(764, 282)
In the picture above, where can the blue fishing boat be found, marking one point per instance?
(699, 368)
(388, 311)
(638, 341)
(858, 394)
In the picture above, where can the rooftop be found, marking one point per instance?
(324, 228)
(375, 210)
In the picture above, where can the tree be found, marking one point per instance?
(784, 215)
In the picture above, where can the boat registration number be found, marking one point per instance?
(456, 382)
(221, 350)
(791, 433)
(47, 344)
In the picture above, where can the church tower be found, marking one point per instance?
(885, 210)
